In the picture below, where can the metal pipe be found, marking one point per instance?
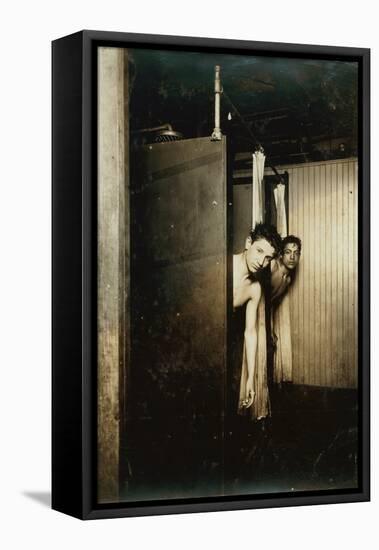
(258, 144)
(217, 135)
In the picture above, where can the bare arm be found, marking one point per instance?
(251, 339)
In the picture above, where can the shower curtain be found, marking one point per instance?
(281, 316)
(257, 195)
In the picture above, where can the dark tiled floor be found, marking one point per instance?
(309, 443)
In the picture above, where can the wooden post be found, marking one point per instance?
(113, 258)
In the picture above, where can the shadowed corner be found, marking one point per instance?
(42, 497)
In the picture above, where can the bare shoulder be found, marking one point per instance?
(274, 265)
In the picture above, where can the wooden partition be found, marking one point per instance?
(113, 264)
(323, 200)
(178, 318)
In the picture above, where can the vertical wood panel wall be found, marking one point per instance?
(323, 203)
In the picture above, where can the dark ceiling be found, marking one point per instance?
(299, 110)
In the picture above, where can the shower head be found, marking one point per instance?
(167, 135)
(160, 134)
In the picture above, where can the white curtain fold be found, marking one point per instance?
(261, 405)
(257, 195)
(282, 319)
(281, 216)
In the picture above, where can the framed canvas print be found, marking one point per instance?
(210, 274)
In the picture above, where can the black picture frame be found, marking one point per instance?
(74, 153)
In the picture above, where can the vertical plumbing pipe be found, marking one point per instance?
(216, 135)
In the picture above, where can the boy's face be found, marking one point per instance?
(258, 254)
(291, 256)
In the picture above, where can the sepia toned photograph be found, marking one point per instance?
(227, 275)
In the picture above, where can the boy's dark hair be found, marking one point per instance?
(268, 232)
(291, 239)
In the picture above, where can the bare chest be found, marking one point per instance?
(279, 284)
